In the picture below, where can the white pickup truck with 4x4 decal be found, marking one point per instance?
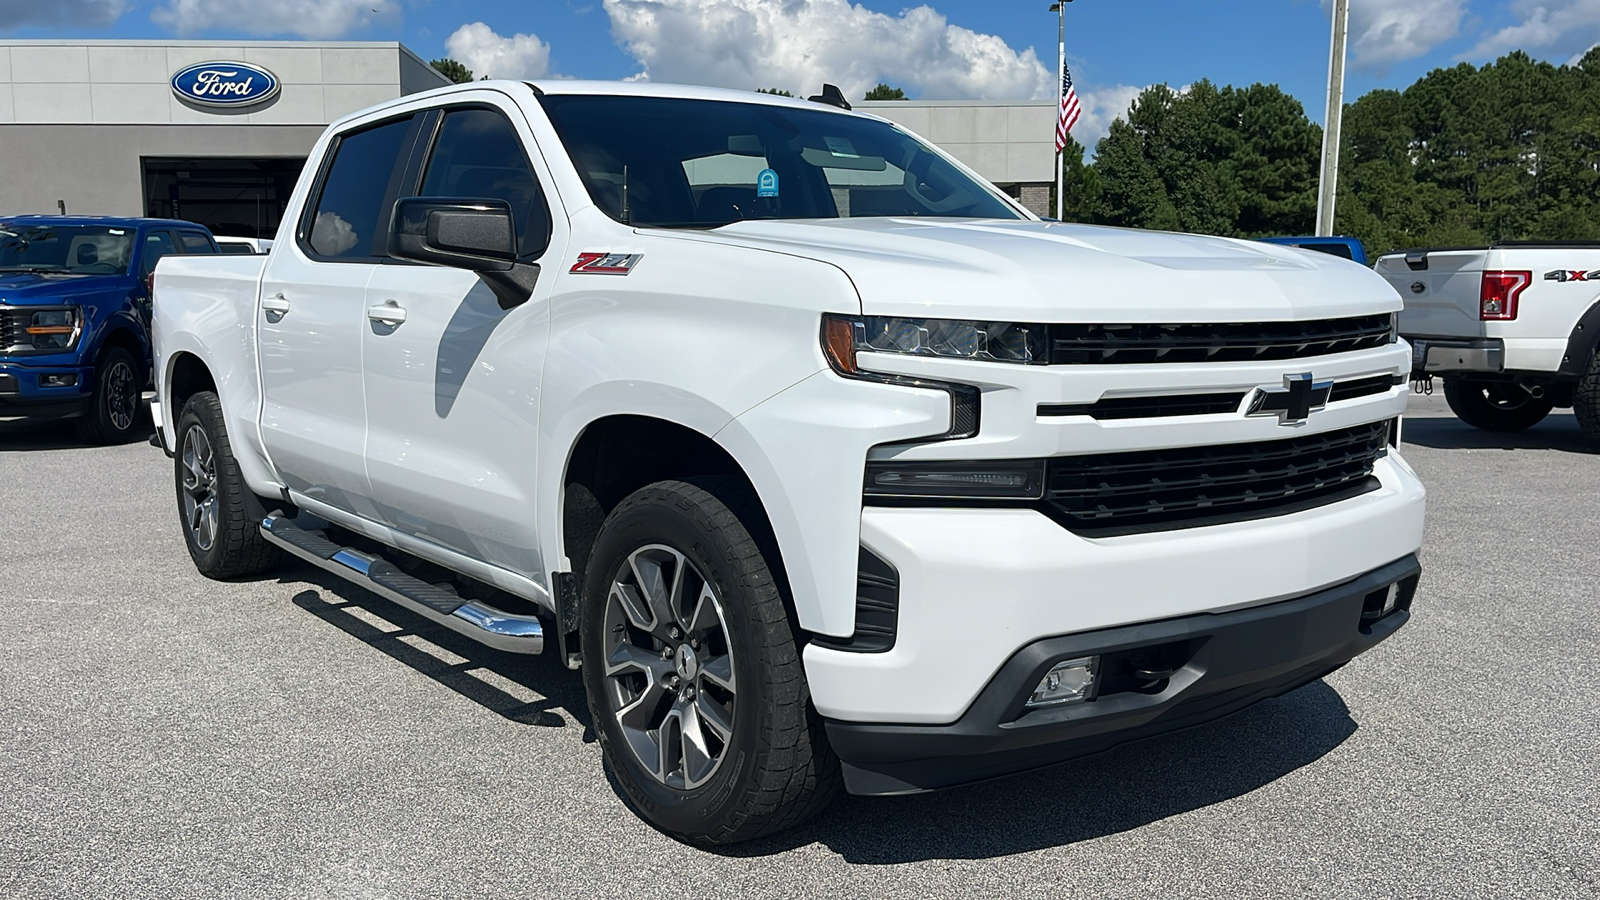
(827, 463)
(1512, 329)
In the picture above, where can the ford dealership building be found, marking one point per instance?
(217, 132)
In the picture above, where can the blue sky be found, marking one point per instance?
(945, 48)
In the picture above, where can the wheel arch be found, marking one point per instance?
(187, 375)
(615, 455)
(1583, 343)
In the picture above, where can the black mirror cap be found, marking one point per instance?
(479, 235)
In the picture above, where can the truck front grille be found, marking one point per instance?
(1134, 344)
(12, 321)
(1155, 490)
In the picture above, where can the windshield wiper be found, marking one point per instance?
(36, 270)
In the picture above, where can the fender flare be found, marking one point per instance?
(1582, 344)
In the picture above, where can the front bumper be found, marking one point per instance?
(1228, 661)
(23, 396)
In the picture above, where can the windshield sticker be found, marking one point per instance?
(767, 184)
(116, 231)
(842, 148)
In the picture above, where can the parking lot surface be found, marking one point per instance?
(162, 735)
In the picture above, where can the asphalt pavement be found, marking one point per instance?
(162, 735)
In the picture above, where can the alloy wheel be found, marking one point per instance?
(122, 396)
(199, 488)
(669, 666)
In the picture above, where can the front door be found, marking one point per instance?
(312, 315)
(453, 389)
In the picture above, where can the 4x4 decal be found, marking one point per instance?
(1564, 275)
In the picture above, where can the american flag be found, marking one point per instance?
(1071, 109)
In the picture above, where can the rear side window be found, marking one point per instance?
(195, 242)
(479, 156)
(349, 220)
(156, 245)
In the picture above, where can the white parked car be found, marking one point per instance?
(827, 463)
(1511, 329)
(243, 246)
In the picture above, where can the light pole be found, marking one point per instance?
(1060, 9)
(1329, 193)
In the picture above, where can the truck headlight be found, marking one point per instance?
(1004, 342)
(54, 329)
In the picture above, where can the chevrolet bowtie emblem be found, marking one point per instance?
(1294, 403)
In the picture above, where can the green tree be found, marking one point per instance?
(776, 92)
(1213, 160)
(449, 68)
(885, 92)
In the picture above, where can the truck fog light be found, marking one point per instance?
(1391, 598)
(57, 380)
(1066, 682)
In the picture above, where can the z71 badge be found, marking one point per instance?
(606, 263)
(1564, 275)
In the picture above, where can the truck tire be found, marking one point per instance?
(1495, 405)
(215, 505)
(1586, 398)
(693, 673)
(116, 413)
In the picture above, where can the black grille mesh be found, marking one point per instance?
(1123, 493)
(12, 321)
(1132, 344)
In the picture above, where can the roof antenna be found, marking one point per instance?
(627, 215)
(832, 96)
(63, 205)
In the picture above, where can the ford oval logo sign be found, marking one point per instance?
(225, 84)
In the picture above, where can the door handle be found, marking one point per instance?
(390, 313)
(276, 305)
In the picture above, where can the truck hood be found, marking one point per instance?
(31, 289)
(1002, 270)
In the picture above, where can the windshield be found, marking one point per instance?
(69, 249)
(706, 163)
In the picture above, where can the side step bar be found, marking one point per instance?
(438, 603)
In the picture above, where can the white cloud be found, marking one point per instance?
(1578, 57)
(313, 19)
(487, 54)
(1100, 109)
(76, 13)
(800, 44)
(1384, 32)
(1546, 27)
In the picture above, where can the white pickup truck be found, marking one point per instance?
(1512, 329)
(826, 462)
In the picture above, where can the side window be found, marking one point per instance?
(349, 218)
(156, 245)
(479, 156)
(195, 242)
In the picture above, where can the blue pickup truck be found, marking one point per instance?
(75, 317)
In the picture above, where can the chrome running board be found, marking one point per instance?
(438, 603)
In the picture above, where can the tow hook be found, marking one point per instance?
(1422, 384)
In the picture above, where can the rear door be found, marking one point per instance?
(313, 314)
(1441, 291)
(453, 389)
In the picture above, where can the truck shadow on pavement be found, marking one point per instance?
(1559, 432)
(31, 436)
(1120, 790)
(523, 689)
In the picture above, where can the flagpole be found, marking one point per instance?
(1061, 97)
(1328, 191)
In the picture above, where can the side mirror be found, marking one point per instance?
(475, 235)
